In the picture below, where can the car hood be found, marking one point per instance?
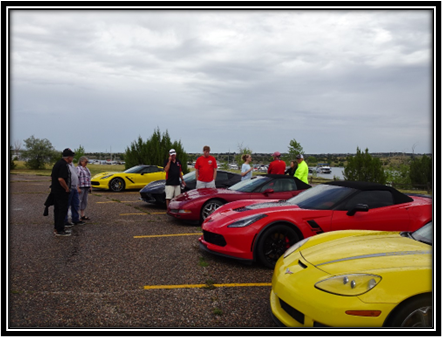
(99, 175)
(377, 250)
(154, 186)
(235, 210)
(204, 193)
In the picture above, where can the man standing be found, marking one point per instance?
(205, 170)
(74, 199)
(277, 166)
(174, 171)
(60, 188)
(302, 170)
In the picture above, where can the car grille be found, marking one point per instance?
(215, 239)
(148, 197)
(95, 183)
(297, 315)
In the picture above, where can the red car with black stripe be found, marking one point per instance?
(255, 230)
(196, 205)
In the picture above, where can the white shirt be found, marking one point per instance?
(245, 168)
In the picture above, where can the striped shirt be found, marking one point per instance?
(84, 176)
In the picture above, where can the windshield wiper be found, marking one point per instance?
(418, 238)
(407, 234)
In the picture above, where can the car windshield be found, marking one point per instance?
(321, 197)
(249, 185)
(134, 169)
(189, 177)
(424, 234)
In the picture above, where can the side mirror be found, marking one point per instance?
(358, 208)
(268, 191)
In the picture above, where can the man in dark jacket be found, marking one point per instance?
(60, 188)
(174, 172)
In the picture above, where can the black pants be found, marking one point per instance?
(60, 210)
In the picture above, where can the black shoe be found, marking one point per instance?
(68, 225)
(62, 233)
(79, 223)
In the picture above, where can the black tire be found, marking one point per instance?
(117, 185)
(414, 313)
(209, 207)
(274, 242)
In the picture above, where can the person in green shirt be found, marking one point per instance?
(302, 170)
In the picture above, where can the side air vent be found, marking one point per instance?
(302, 265)
(315, 227)
(240, 209)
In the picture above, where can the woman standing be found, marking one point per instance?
(246, 170)
(84, 177)
(292, 169)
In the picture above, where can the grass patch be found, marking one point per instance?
(202, 262)
(210, 285)
(217, 311)
(95, 169)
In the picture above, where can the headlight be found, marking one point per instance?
(247, 221)
(295, 247)
(180, 211)
(349, 285)
(109, 175)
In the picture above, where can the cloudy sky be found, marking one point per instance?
(333, 80)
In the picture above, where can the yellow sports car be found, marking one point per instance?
(356, 279)
(134, 178)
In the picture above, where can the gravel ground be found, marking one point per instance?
(96, 277)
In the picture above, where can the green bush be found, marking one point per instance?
(363, 167)
(421, 170)
(38, 153)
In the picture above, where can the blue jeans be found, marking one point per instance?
(74, 204)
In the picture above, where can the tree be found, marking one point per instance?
(363, 167)
(295, 148)
(421, 170)
(12, 164)
(399, 173)
(78, 153)
(38, 153)
(154, 151)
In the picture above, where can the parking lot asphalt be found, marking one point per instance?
(130, 266)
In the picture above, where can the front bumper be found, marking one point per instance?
(100, 184)
(183, 214)
(204, 248)
(236, 244)
(295, 302)
(153, 198)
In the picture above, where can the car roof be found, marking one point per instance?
(398, 197)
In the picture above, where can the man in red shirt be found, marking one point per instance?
(277, 166)
(205, 170)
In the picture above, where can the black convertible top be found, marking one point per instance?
(398, 197)
(299, 183)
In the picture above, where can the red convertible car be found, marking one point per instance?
(253, 230)
(196, 205)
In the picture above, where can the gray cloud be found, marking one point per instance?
(334, 80)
